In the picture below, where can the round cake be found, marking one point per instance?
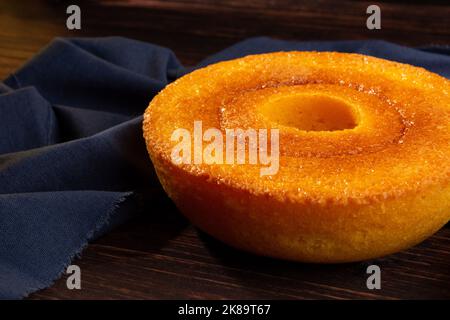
(359, 165)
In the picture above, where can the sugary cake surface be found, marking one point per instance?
(357, 135)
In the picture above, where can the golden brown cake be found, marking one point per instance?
(364, 154)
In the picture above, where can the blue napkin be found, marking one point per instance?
(73, 162)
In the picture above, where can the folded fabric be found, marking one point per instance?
(72, 157)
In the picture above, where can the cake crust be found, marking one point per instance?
(339, 195)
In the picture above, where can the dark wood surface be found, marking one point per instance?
(159, 254)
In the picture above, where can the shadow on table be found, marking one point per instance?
(298, 279)
(412, 268)
(157, 222)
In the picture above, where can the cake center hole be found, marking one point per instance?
(311, 113)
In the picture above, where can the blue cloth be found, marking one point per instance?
(73, 162)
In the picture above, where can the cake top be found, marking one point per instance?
(350, 127)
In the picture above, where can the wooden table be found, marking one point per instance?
(158, 254)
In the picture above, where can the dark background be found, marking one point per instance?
(158, 254)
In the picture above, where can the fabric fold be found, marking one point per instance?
(72, 152)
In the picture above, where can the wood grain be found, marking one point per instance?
(158, 255)
(148, 259)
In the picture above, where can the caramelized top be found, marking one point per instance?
(352, 127)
